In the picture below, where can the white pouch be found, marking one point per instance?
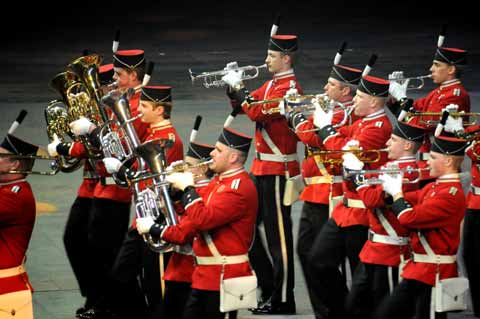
(450, 294)
(332, 203)
(293, 188)
(238, 293)
(16, 305)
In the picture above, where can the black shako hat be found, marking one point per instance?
(105, 74)
(451, 56)
(283, 43)
(449, 145)
(235, 139)
(409, 132)
(346, 74)
(156, 94)
(374, 86)
(129, 59)
(200, 151)
(18, 146)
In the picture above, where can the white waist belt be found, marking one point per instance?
(353, 203)
(475, 190)
(389, 240)
(276, 158)
(330, 179)
(14, 271)
(437, 259)
(221, 260)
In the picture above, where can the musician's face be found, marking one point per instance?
(277, 61)
(362, 104)
(221, 158)
(149, 113)
(442, 72)
(333, 89)
(6, 164)
(125, 79)
(395, 147)
(436, 163)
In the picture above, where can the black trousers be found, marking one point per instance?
(276, 278)
(370, 285)
(176, 297)
(107, 228)
(206, 305)
(136, 280)
(471, 255)
(329, 251)
(75, 240)
(313, 217)
(409, 298)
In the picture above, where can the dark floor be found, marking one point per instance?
(176, 37)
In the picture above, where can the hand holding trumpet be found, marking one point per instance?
(320, 117)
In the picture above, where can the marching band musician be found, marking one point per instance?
(471, 236)
(433, 214)
(387, 244)
(446, 70)
(135, 257)
(345, 232)
(222, 217)
(111, 202)
(75, 236)
(17, 219)
(275, 161)
(323, 180)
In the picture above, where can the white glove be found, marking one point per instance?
(171, 167)
(112, 165)
(451, 108)
(351, 162)
(291, 92)
(453, 124)
(144, 224)
(352, 144)
(398, 90)
(82, 126)
(180, 180)
(233, 78)
(52, 147)
(231, 66)
(320, 118)
(392, 183)
(395, 75)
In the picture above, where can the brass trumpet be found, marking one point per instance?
(420, 79)
(471, 117)
(54, 165)
(360, 179)
(177, 168)
(365, 156)
(214, 78)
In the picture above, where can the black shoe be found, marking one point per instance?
(283, 308)
(81, 310)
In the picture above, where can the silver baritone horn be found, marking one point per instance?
(214, 78)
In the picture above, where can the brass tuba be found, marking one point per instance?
(155, 201)
(58, 114)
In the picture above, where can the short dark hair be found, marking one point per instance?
(167, 108)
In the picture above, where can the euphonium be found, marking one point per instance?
(156, 201)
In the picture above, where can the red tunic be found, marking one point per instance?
(473, 151)
(88, 184)
(275, 125)
(17, 218)
(373, 198)
(437, 212)
(450, 92)
(372, 132)
(312, 166)
(228, 212)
